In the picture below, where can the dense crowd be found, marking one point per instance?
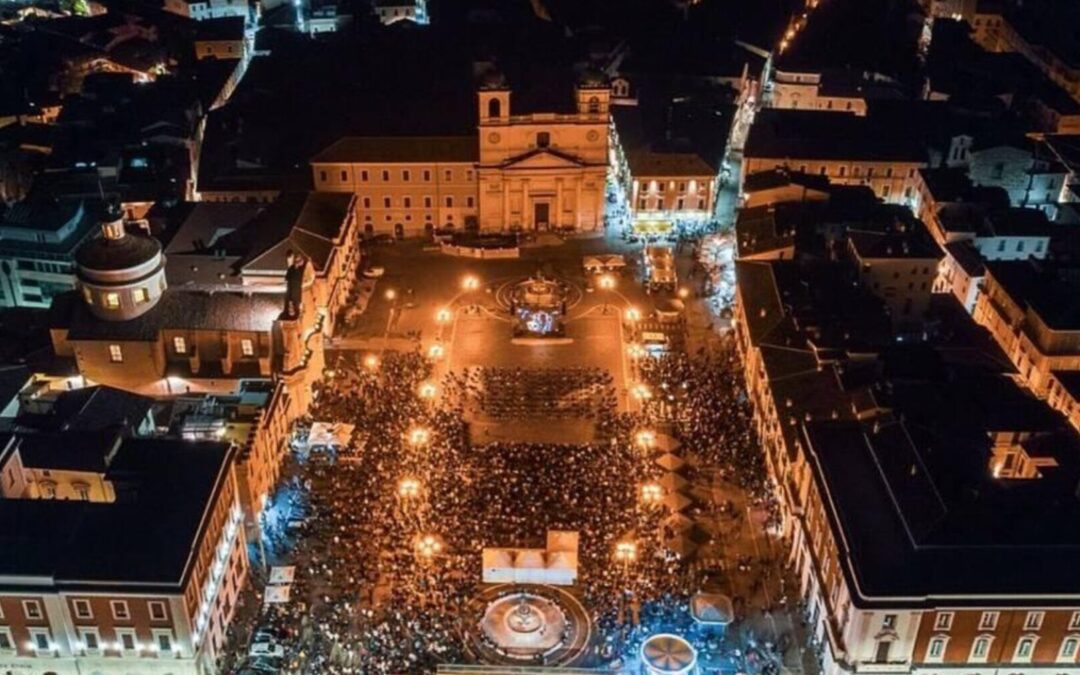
(556, 393)
(388, 576)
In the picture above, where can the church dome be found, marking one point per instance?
(121, 275)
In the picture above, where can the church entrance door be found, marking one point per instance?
(541, 215)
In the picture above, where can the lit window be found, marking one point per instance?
(888, 622)
(32, 609)
(981, 648)
(120, 609)
(140, 296)
(1024, 647)
(937, 648)
(157, 610)
(943, 621)
(116, 354)
(1068, 648)
(112, 300)
(127, 640)
(179, 345)
(247, 348)
(82, 609)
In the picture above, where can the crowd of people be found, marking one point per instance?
(556, 393)
(389, 561)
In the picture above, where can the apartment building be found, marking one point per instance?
(122, 555)
(895, 467)
(405, 186)
(1030, 307)
(847, 149)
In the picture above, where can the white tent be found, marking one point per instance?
(282, 575)
(330, 434)
(556, 565)
(277, 595)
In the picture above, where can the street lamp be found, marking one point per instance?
(645, 438)
(390, 294)
(371, 362)
(427, 390)
(428, 546)
(435, 352)
(607, 283)
(651, 493)
(641, 392)
(684, 293)
(633, 315)
(635, 351)
(626, 553)
(408, 488)
(444, 315)
(419, 436)
(469, 283)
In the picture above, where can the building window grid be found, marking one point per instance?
(988, 620)
(116, 354)
(943, 621)
(32, 610)
(120, 610)
(1033, 620)
(82, 609)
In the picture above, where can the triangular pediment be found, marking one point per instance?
(543, 159)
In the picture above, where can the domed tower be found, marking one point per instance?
(121, 275)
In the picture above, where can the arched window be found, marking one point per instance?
(543, 139)
(494, 108)
(594, 106)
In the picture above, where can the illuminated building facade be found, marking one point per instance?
(216, 309)
(139, 571)
(670, 189)
(891, 485)
(524, 171)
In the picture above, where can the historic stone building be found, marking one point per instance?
(525, 170)
(543, 170)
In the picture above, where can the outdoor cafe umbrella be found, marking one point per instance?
(672, 482)
(670, 462)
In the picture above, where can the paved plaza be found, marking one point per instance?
(468, 438)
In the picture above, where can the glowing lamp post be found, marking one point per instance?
(626, 553)
(408, 488)
(635, 351)
(436, 352)
(651, 493)
(641, 392)
(371, 362)
(607, 283)
(419, 437)
(426, 391)
(633, 315)
(645, 438)
(390, 294)
(427, 547)
(444, 315)
(469, 283)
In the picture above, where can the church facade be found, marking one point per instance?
(536, 171)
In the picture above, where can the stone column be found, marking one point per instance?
(526, 210)
(558, 202)
(577, 202)
(505, 204)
